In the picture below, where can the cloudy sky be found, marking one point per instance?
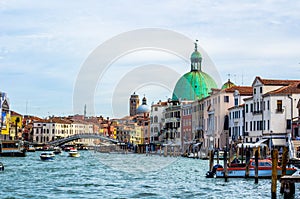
(44, 45)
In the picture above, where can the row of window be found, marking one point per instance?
(257, 125)
(155, 129)
(64, 125)
(207, 103)
(236, 114)
(172, 114)
(56, 131)
(154, 119)
(259, 106)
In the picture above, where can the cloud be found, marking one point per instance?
(44, 43)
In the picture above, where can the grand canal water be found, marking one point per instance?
(95, 175)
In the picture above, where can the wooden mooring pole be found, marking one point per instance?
(283, 166)
(247, 162)
(211, 159)
(225, 165)
(256, 167)
(242, 153)
(274, 155)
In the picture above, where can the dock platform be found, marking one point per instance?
(288, 185)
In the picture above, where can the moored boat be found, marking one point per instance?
(49, 155)
(264, 170)
(31, 148)
(74, 153)
(12, 148)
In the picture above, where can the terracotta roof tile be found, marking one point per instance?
(289, 89)
(243, 90)
(277, 82)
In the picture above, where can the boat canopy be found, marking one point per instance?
(260, 143)
(279, 142)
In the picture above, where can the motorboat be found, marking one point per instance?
(1, 166)
(73, 153)
(57, 150)
(48, 155)
(237, 170)
(31, 148)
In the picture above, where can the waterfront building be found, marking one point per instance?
(271, 109)
(296, 123)
(143, 120)
(16, 123)
(187, 137)
(236, 124)
(137, 137)
(156, 121)
(4, 116)
(171, 125)
(215, 109)
(28, 132)
(45, 130)
(198, 121)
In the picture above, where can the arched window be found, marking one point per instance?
(37, 139)
(155, 119)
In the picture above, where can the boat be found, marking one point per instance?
(1, 166)
(57, 150)
(49, 155)
(238, 170)
(12, 148)
(73, 153)
(30, 148)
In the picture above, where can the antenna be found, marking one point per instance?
(242, 79)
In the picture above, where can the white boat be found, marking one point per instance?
(73, 153)
(49, 155)
(30, 148)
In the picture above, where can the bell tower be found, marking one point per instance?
(134, 102)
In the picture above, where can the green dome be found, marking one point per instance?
(193, 85)
(228, 84)
(196, 57)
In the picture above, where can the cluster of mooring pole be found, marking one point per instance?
(287, 181)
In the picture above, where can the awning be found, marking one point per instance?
(260, 143)
(279, 142)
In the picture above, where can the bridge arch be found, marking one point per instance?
(62, 141)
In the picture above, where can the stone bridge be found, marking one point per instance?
(62, 141)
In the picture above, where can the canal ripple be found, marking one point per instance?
(96, 175)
